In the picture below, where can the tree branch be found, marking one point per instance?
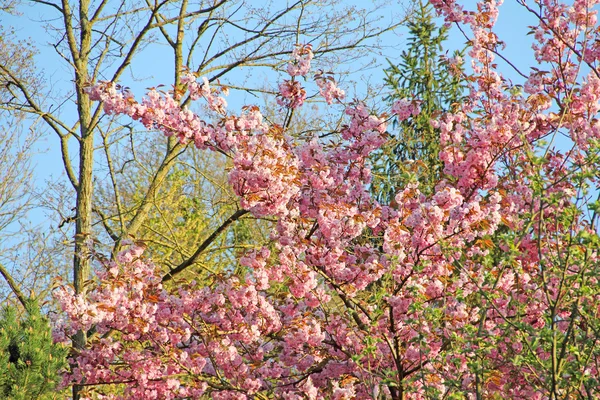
(13, 286)
(207, 242)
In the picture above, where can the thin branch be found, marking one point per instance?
(13, 286)
(142, 212)
(104, 220)
(207, 242)
(47, 3)
(113, 179)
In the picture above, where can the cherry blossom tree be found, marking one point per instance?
(485, 288)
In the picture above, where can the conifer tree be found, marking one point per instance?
(30, 361)
(427, 74)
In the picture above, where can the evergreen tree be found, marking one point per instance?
(30, 361)
(425, 75)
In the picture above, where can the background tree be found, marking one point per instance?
(16, 184)
(433, 83)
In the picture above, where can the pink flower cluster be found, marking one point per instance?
(162, 111)
(328, 89)
(404, 109)
(291, 94)
(164, 339)
(264, 174)
(302, 56)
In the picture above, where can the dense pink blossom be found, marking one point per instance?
(291, 94)
(475, 290)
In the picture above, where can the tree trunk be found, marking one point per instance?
(83, 205)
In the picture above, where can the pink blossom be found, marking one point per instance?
(405, 109)
(300, 65)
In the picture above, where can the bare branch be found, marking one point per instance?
(13, 285)
(207, 242)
